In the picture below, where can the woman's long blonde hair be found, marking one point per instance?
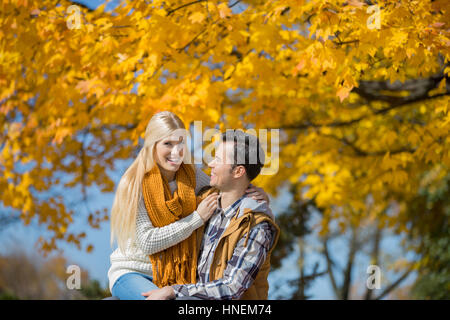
(124, 209)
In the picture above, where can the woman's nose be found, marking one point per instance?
(177, 150)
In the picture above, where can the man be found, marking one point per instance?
(234, 259)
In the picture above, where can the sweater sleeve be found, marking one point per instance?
(152, 239)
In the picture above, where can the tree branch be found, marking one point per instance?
(363, 153)
(394, 284)
(375, 254)
(330, 263)
(345, 292)
(372, 91)
(182, 6)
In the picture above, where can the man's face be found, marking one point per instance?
(221, 173)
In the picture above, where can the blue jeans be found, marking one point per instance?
(130, 286)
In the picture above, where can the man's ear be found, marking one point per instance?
(239, 171)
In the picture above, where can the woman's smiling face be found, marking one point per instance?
(169, 153)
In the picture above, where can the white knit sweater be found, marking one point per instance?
(150, 239)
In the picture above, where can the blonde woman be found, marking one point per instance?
(156, 213)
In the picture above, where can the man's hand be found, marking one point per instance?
(165, 293)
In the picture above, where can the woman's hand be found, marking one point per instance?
(206, 208)
(257, 193)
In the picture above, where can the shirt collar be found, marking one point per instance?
(230, 210)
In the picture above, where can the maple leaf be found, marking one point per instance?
(197, 17)
(343, 92)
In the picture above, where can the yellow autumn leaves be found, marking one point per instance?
(364, 111)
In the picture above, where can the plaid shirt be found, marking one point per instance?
(241, 269)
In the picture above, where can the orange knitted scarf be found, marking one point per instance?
(177, 264)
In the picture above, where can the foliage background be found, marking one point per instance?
(363, 112)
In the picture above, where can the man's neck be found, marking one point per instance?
(231, 196)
